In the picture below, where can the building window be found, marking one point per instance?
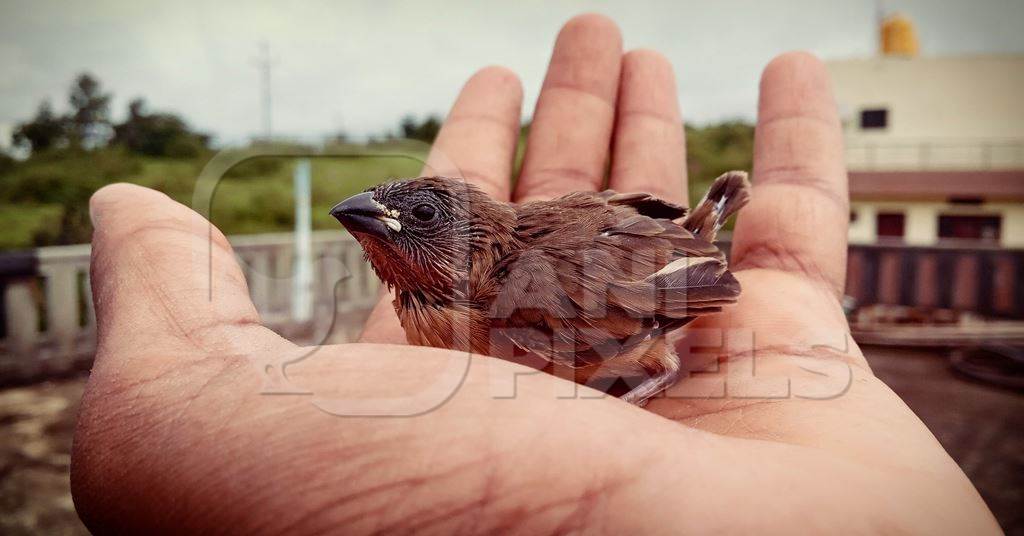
(963, 200)
(874, 118)
(983, 228)
(890, 225)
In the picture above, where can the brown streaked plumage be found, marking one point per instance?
(590, 281)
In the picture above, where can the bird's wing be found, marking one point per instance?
(549, 305)
(645, 204)
(582, 294)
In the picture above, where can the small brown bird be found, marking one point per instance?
(590, 281)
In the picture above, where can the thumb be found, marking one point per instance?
(165, 281)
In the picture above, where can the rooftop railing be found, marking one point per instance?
(938, 154)
(48, 327)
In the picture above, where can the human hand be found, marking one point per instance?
(174, 434)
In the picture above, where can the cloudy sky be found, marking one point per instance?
(360, 66)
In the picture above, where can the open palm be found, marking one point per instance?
(787, 429)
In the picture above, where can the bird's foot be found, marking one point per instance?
(651, 387)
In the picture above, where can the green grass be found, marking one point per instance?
(265, 203)
(44, 200)
(27, 225)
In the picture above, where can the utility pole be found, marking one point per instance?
(302, 273)
(263, 63)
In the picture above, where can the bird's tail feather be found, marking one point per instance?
(727, 194)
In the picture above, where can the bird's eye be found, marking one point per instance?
(423, 212)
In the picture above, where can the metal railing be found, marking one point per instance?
(987, 280)
(938, 154)
(49, 327)
(47, 323)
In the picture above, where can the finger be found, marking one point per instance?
(163, 277)
(568, 143)
(477, 143)
(648, 150)
(478, 139)
(799, 211)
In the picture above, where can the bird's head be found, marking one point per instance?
(422, 235)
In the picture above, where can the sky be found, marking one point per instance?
(359, 66)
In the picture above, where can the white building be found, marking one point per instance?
(935, 147)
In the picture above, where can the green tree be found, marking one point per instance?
(714, 149)
(90, 108)
(45, 131)
(157, 134)
(425, 131)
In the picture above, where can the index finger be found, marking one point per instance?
(478, 139)
(572, 127)
(799, 209)
(649, 151)
(476, 143)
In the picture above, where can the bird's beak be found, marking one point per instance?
(362, 214)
